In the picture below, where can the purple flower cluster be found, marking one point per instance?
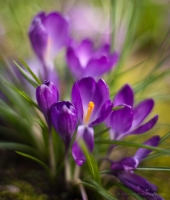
(90, 103)
(49, 33)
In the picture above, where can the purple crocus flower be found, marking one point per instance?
(46, 95)
(132, 163)
(124, 171)
(48, 34)
(128, 119)
(92, 103)
(64, 119)
(83, 60)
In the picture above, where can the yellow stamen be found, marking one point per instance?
(89, 112)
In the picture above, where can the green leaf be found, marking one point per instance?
(91, 162)
(133, 144)
(165, 137)
(25, 96)
(18, 147)
(99, 189)
(26, 75)
(101, 132)
(160, 169)
(31, 72)
(36, 160)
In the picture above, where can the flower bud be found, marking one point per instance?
(46, 95)
(64, 119)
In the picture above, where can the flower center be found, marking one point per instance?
(89, 112)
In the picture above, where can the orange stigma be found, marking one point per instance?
(89, 112)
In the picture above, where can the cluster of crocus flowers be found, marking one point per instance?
(91, 105)
(49, 33)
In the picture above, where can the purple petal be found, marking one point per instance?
(87, 135)
(77, 100)
(104, 112)
(142, 153)
(121, 120)
(125, 164)
(38, 35)
(145, 127)
(74, 64)
(141, 111)
(139, 185)
(46, 95)
(124, 96)
(137, 181)
(100, 96)
(97, 66)
(57, 29)
(84, 51)
(64, 119)
(113, 59)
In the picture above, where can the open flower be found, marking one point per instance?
(91, 100)
(64, 119)
(128, 119)
(48, 34)
(92, 103)
(132, 163)
(124, 171)
(83, 60)
(46, 95)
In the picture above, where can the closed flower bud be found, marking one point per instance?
(64, 119)
(46, 95)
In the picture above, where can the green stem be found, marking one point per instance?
(67, 167)
(51, 153)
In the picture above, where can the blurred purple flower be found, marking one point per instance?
(127, 120)
(64, 119)
(92, 103)
(46, 95)
(83, 60)
(48, 34)
(123, 170)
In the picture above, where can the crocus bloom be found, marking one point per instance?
(92, 103)
(124, 171)
(46, 95)
(64, 119)
(48, 34)
(132, 163)
(128, 119)
(83, 60)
